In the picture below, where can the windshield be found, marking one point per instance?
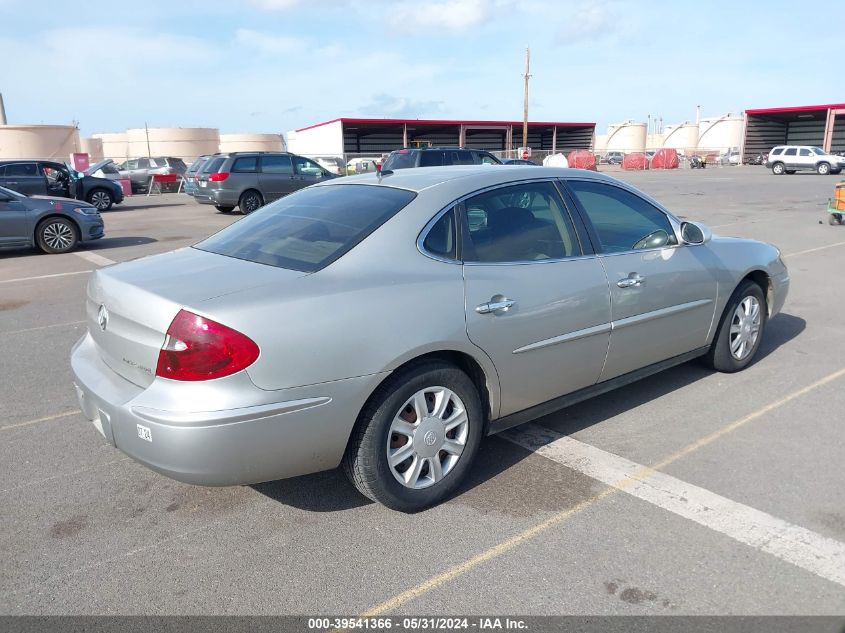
(818, 150)
(309, 230)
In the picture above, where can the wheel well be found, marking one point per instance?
(760, 278)
(76, 227)
(462, 361)
(246, 191)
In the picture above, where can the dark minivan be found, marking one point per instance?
(437, 157)
(47, 178)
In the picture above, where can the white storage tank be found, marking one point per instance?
(114, 145)
(626, 137)
(93, 147)
(54, 142)
(654, 141)
(682, 137)
(720, 133)
(252, 143)
(181, 142)
(601, 143)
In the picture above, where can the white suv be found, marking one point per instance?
(787, 159)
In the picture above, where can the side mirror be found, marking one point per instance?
(695, 233)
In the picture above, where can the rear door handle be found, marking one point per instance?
(494, 306)
(634, 280)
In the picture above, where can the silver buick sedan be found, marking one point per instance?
(387, 322)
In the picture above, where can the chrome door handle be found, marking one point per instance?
(495, 306)
(631, 281)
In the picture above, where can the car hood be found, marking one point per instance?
(57, 201)
(93, 169)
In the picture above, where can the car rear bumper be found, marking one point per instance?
(220, 197)
(287, 433)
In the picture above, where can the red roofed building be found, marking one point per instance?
(819, 125)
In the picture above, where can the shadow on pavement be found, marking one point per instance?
(116, 242)
(523, 490)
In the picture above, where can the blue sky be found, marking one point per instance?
(275, 65)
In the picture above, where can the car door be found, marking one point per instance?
(306, 172)
(25, 178)
(59, 182)
(276, 177)
(537, 298)
(15, 220)
(663, 294)
(806, 158)
(790, 158)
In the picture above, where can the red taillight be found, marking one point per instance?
(197, 348)
(218, 177)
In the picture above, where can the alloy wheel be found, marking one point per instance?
(427, 437)
(58, 236)
(101, 200)
(745, 328)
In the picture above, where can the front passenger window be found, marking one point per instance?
(622, 220)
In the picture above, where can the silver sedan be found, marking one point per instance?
(388, 322)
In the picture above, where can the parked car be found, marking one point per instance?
(333, 164)
(55, 225)
(48, 178)
(249, 180)
(192, 174)
(612, 158)
(140, 170)
(731, 157)
(519, 161)
(361, 165)
(356, 322)
(436, 157)
(756, 159)
(787, 159)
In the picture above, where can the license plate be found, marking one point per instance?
(203, 183)
(145, 433)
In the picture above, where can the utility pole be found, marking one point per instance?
(2, 111)
(525, 99)
(147, 132)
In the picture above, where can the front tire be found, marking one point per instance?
(778, 169)
(740, 330)
(101, 199)
(417, 437)
(56, 235)
(250, 201)
(823, 169)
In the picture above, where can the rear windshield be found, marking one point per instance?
(213, 165)
(401, 159)
(195, 166)
(310, 229)
(177, 163)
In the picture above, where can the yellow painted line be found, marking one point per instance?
(504, 547)
(44, 419)
(813, 250)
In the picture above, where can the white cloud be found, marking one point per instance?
(589, 21)
(266, 43)
(450, 15)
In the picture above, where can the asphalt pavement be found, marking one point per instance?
(758, 456)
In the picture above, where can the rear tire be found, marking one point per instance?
(778, 169)
(101, 199)
(250, 200)
(834, 219)
(224, 208)
(433, 457)
(823, 169)
(740, 330)
(56, 235)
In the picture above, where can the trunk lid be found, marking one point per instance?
(129, 306)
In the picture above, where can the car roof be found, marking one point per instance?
(471, 176)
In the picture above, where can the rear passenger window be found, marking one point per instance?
(461, 158)
(247, 164)
(518, 224)
(622, 221)
(276, 165)
(790, 152)
(21, 169)
(431, 159)
(804, 152)
(442, 237)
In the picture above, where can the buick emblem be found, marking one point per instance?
(430, 438)
(103, 317)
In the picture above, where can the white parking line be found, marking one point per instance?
(76, 272)
(799, 546)
(42, 327)
(44, 419)
(94, 258)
